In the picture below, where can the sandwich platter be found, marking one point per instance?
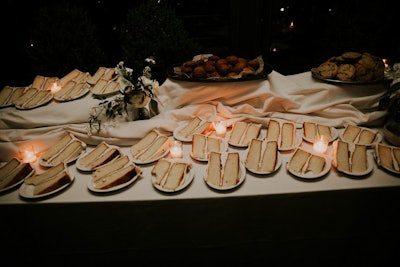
(92, 188)
(186, 181)
(26, 190)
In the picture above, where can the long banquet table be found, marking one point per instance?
(276, 218)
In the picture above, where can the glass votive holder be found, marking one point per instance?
(27, 154)
(320, 144)
(220, 129)
(176, 149)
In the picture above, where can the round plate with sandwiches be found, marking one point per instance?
(47, 183)
(102, 154)
(224, 171)
(114, 175)
(308, 165)
(351, 159)
(312, 129)
(387, 157)
(172, 175)
(263, 157)
(360, 135)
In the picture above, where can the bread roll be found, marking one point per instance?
(231, 172)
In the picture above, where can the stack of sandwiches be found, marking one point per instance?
(49, 180)
(312, 129)
(284, 133)
(303, 162)
(117, 172)
(13, 172)
(262, 156)
(100, 155)
(350, 157)
(67, 148)
(359, 135)
(243, 132)
(170, 175)
(202, 145)
(223, 172)
(195, 125)
(388, 156)
(151, 146)
(33, 97)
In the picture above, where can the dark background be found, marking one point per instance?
(246, 28)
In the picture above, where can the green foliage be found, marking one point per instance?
(63, 39)
(153, 29)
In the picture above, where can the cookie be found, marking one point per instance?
(351, 55)
(328, 70)
(364, 73)
(346, 72)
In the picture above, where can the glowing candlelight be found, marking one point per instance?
(386, 62)
(320, 144)
(55, 87)
(27, 154)
(220, 128)
(291, 26)
(176, 149)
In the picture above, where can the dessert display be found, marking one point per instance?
(102, 154)
(202, 145)
(67, 149)
(243, 132)
(169, 175)
(282, 132)
(312, 129)
(197, 125)
(13, 173)
(209, 67)
(262, 157)
(360, 135)
(47, 182)
(306, 164)
(351, 67)
(351, 158)
(224, 170)
(388, 157)
(114, 175)
(151, 147)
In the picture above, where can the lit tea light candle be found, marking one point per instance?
(176, 150)
(55, 87)
(220, 129)
(27, 154)
(386, 62)
(320, 144)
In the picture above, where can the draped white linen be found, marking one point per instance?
(296, 98)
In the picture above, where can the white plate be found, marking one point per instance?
(378, 136)
(26, 190)
(309, 174)
(180, 137)
(41, 103)
(17, 183)
(188, 178)
(135, 160)
(223, 148)
(277, 165)
(114, 188)
(370, 161)
(49, 164)
(242, 176)
(81, 168)
(84, 92)
(333, 138)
